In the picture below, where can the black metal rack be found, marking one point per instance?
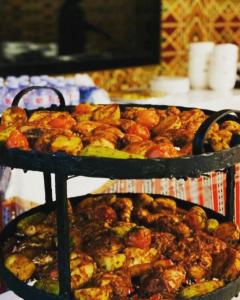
(65, 166)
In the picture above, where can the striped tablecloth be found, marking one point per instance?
(208, 190)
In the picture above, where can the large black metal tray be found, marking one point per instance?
(28, 292)
(182, 167)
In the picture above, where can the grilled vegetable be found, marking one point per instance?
(212, 225)
(48, 285)
(103, 293)
(111, 262)
(22, 267)
(34, 219)
(200, 289)
(107, 152)
(70, 144)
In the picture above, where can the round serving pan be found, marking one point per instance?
(182, 167)
(27, 292)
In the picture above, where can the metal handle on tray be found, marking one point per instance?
(19, 96)
(201, 134)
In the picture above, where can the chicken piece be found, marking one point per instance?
(17, 140)
(144, 200)
(198, 265)
(137, 256)
(164, 203)
(196, 218)
(131, 112)
(107, 112)
(124, 208)
(125, 124)
(22, 267)
(228, 232)
(148, 118)
(139, 237)
(163, 241)
(139, 130)
(109, 130)
(173, 110)
(41, 117)
(130, 139)
(63, 121)
(232, 126)
(85, 108)
(14, 116)
(71, 145)
(182, 137)
(103, 214)
(5, 132)
(162, 151)
(86, 127)
(161, 140)
(226, 265)
(102, 243)
(221, 140)
(169, 123)
(119, 281)
(169, 280)
(139, 148)
(93, 293)
(191, 116)
(110, 262)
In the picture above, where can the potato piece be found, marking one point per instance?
(82, 269)
(107, 152)
(22, 267)
(106, 112)
(200, 289)
(228, 232)
(145, 200)
(111, 262)
(196, 218)
(103, 293)
(137, 256)
(70, 144)
(48, 285)
(212, 225)
(169, 123)
(101, 141)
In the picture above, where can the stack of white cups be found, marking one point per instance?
(199, 60)
(213, 66)
(223, 67)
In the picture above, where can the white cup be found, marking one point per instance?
(199, 60)
(223, 67)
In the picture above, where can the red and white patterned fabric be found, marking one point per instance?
(208, 190)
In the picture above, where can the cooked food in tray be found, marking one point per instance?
(106, 131)
(137, 248)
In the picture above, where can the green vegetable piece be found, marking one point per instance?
(48, 285)
(212, 225)
(200, 289)
(107, 152)
(31, 220)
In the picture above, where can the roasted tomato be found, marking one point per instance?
(63, 121)
(17, 140)
(139, 238)
(147, 118)
(14, 116)
(162, 150)
(139, 130)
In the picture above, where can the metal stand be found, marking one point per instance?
(48, 188)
